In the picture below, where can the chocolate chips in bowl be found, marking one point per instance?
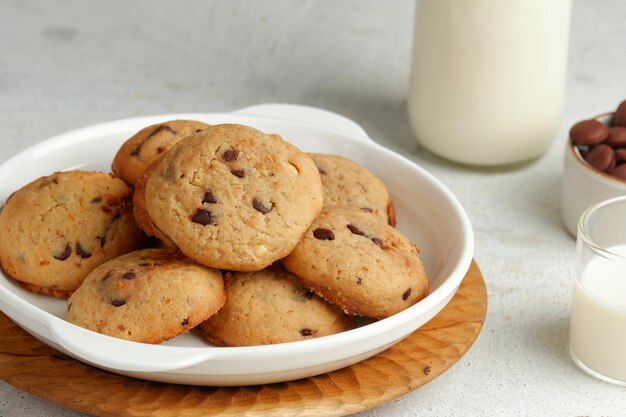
(595, 164)
(603, 145)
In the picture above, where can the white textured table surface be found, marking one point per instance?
(68, 64)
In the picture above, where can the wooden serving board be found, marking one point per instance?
(40, 370)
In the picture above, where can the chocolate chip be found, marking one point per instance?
(230, 155)
(55, 180)
(102, 240)
(619, 171)
(358, 281)
(426, 370)
(160, 150)
(209, 198)
(65, 254)
(322, 172)
(161, 128)
(323, 234)
(355, 230)
(619, 118)
(307, 294)
(96, 200)
(239, 173)
(307, 332)
(359, 232)
(202, 217)
(588, 132)
(601, 157)
(617, 137)
(379, 242)
(185, 322)
(406, 294)
(258, 206)
(80, 251)
(118, 303)
(129, 275)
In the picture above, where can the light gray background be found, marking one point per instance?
(67, 64)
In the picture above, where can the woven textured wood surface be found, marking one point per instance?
(40, 370)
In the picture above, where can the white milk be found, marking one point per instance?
(488, 77)
(598, 318)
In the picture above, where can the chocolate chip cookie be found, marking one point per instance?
(141, 211)
(270, 306)
(58, 228)
(363, 265)
(233, 197)
(149, 296)
(138, 152)
(348, 184)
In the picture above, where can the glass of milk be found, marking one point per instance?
(598, 318)
(488, 78)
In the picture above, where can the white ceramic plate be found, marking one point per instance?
(427, 213)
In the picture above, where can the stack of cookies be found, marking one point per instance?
(253, 241)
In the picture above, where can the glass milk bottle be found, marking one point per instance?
(488, 77)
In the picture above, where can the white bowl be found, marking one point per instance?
(427, 212)
(584, 186)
